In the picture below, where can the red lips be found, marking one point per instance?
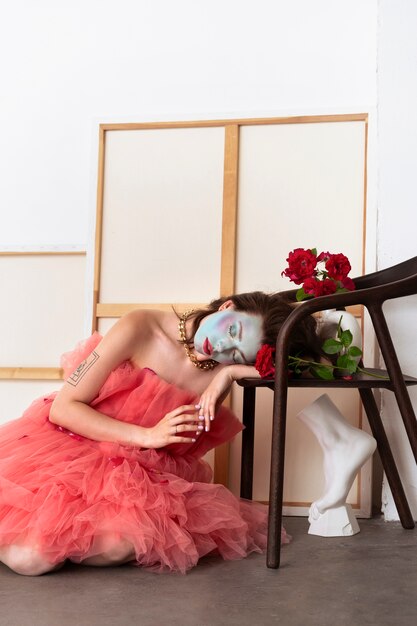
(207, 347)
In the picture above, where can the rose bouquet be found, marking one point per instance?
(319, 274)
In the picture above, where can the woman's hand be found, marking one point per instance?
(214, 395)
(169, 430)
(219, 388)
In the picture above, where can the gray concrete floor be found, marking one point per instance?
(368, 579)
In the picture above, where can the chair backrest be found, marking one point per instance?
(401, 271)
(372, 290)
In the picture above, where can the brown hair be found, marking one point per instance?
(274, 310)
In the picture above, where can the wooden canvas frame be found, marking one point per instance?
(229, 217)
(35, 373)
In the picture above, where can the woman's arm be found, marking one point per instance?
(220, 387)
(71, 409)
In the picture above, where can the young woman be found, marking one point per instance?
(109, 470)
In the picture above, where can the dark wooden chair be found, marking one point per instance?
(372, 290)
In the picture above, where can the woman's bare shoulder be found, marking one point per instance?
(141, 328)
(135, 328)
(140, 322)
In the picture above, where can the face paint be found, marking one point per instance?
(229, 336)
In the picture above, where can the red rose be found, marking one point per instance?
(301, 265)
(323, 256)
(328, 286)
(313, 287)
(348, 283)
(316, 287)
(338, 266)
(265, 361)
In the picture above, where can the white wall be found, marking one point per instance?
(71, 65)
(397, 202)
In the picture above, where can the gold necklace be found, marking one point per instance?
(202, 365)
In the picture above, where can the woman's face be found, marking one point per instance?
(229, 336)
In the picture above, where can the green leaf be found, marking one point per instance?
(302, 295)
(346, 363)
(354, 351)
(332, 346)
(314, 251)
(323, 372)
(343, 361)
(346, 338)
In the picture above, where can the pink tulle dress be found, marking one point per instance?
(64, 493)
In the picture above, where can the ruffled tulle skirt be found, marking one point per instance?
(70, 497)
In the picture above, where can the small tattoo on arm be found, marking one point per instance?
(83, 367)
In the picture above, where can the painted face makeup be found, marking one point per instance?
(229, 336)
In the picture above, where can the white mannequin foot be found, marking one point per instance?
(341, 464)
(336, 522)
(345, 450)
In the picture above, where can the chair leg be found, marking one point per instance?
(276, 488)
(248, 434)
(393, 366)
(408, 415)
(387, 458)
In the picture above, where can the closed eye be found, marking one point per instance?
(235, 330)
(238, 357)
